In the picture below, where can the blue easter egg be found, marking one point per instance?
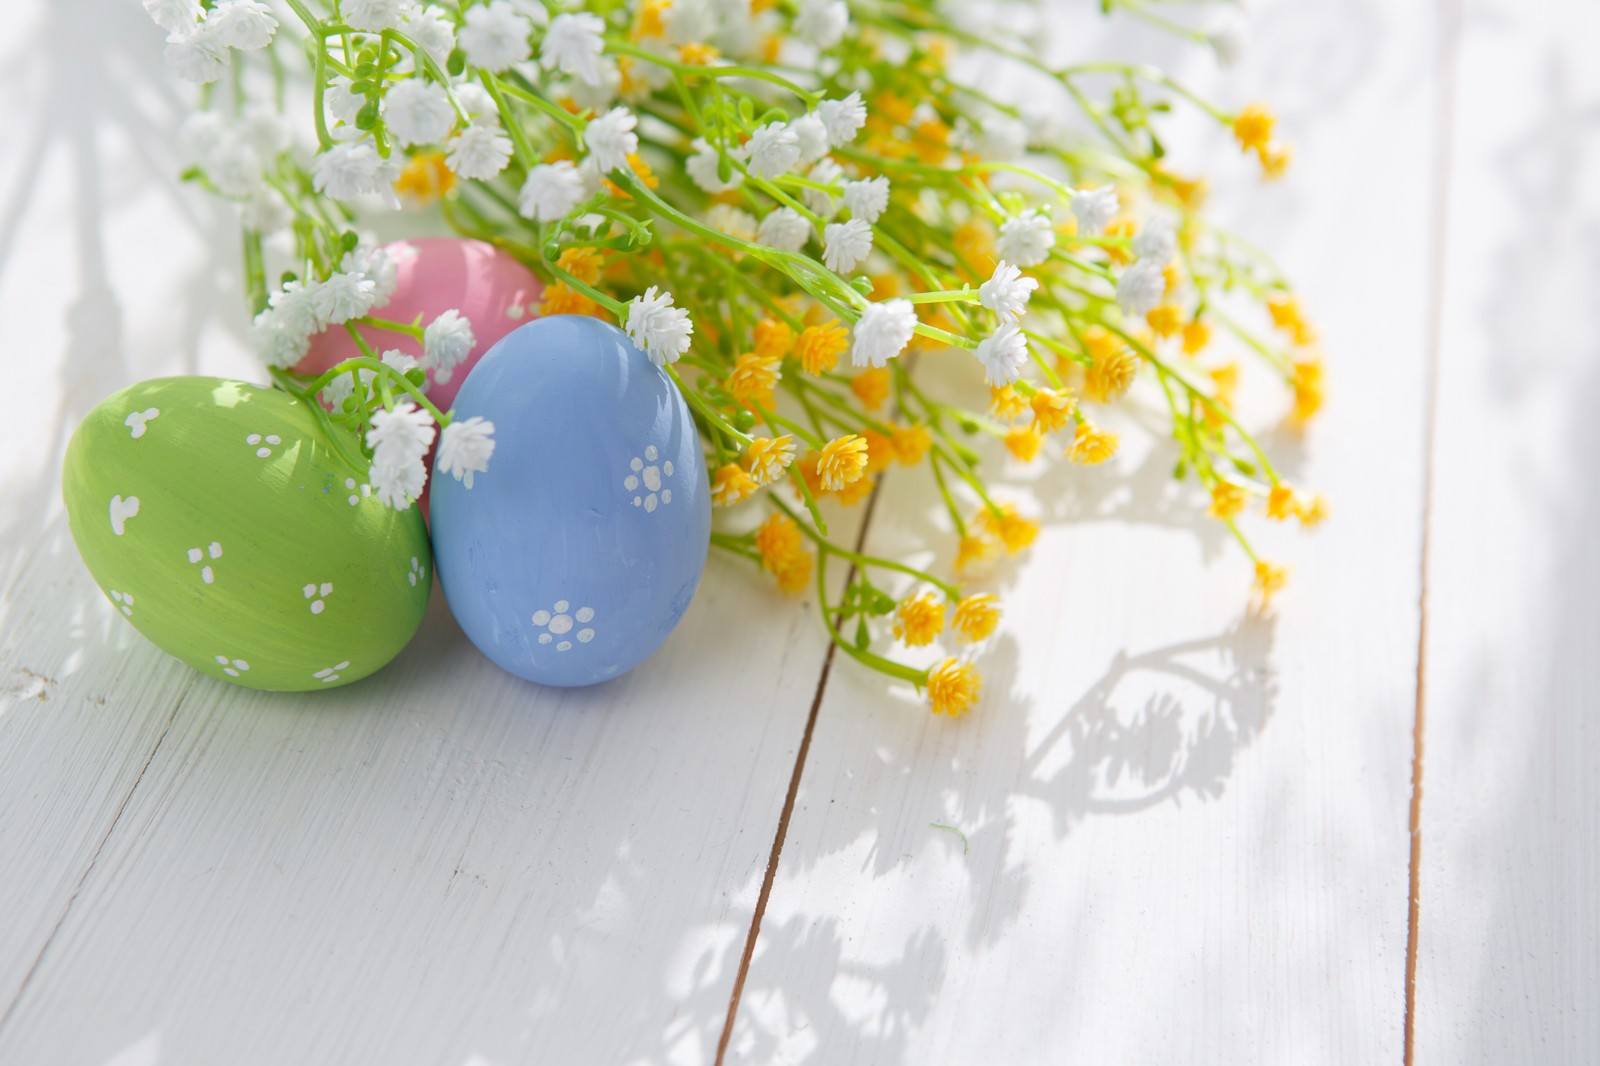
(574, 555)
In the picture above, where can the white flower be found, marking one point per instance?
(1006, 292)
(474, 99)
(265, 129)
(220, 150)
(1094, 208)
(342, 104)
(295, 308)
(347, 170)
(377, 15)
(177, 17)
(882, 332)
(867, 199)
(602, 94)
(197, 56)
(1141, 287)
(704, 164)
(611, 139)
(401, 435)
(843, 118)
(433, 31)
(784, 228)
(733, 221)
(447, 340)
(274, 343)
(343, 297)
(1001, 139)
(418, 112)
(378, 265)
(844, 244)
(573, 45)
(1003, 354)
(397, 484)
(465, 448)
(395, 359)
(811, 136)
(1027, 239)
(551, 191)
(657, 328)
(774, 150)
(479, 152)
(1228, 41)
(495, 36)
(822, 22)
(246, 24)
(824, 172)
(1156, 242)
(265, 212)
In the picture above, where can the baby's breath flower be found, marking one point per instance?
(704, 166)
(1027, 239)
(1093, 208)
(275, 343)
(774, 150)
(811, 137)
(611, 140)
(242, 24)
(397, 484)
(1156, 242)
(494, 36)
(867, 199)
(465, 448)
(734, 221)
(573, 45)
(174, 16)
(433, 31)
(822, 22)
(882, 332)
(197, 56)
(445, 343)
(1003, 354)
(918, 619)
(658, 328)
(842, 460)
(1140, 288)
(976, 617)
(1007, 291)
(767, 458)
(479, 152)
(418, 112)
(845, 244)
(953, 687)
(347, 170)
(375, 16)
(343, 296)
(842, 119)
(823, 172)
(551, 191)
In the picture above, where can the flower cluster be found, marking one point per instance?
(785, 206)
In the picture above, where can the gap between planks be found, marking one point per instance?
(1449, 48)
(789, 799)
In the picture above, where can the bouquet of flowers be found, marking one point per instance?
(785, 206)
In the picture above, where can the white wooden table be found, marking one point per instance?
(1365, 830)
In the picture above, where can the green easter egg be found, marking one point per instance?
(223, 523)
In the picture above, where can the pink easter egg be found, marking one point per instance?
(489, 288)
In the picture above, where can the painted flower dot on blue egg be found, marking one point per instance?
(573, 556)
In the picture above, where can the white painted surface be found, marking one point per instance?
(1509, 966)
(1186, 828)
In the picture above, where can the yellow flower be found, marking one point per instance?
(1051, 409)
(1165, 318)
(1310, 509)
(695, 54)
(910, 444)
(1013, 530)
(1092, 445)
(1190, 192)
(884, 286)
(918, 619)
(425, 178)
(584, 264)
(1006, 402)
(1196, 335)
(931, 141)
(1122, 226)
(1252, 127)
(753, 379)
(818, 347)
(974, 243)
(773, 339)
(1270, 580)
(1227, 500)
(561, 300)
(1111, 376)
(880, 450)
(953, 687)
(730, 484)
(1023, 442)
(872, 387)
(973, 552)
(641, 170)
(649, 22)
(1100, 343)
(1307, 383)
(856, 491)
(976, 617)
(1171, 275)
(1281, 501)
(766, 459)
(1275, 159)
(1287, 316)
(841, 461)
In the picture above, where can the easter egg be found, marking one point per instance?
(225, 522)
(573, 557)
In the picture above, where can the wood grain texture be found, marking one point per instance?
(1509, 950)
(1183, 830)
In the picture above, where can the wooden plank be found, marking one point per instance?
(1185, 830)
(1509, 941)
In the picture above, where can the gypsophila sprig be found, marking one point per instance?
(752, 192)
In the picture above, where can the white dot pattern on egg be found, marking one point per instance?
(232, 667)
(648, 480)
(197, 556)
(558, 622)
(329, 674)
(122, 509)
(357, 492)
(317, 594)
(124, 602)
(418, 572)
(136, 421)
(263, 445)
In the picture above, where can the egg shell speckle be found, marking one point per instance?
(574, 555)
